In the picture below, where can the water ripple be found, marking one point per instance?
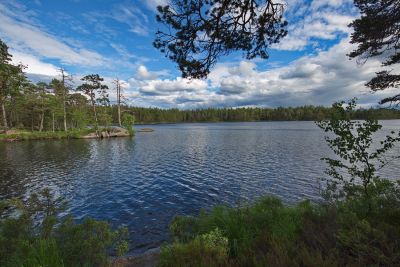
(143, 182)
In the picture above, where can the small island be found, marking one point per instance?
(102, 132)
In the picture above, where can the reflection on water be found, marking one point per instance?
(142, 182)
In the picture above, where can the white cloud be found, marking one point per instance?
(167, 86)
(311, 80)
(133, 17)
(323, 78)
(143, 73)
(27, 37)
(153, 4)
(34, 65)
(128, 14)
(317, 20)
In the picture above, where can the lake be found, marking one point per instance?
(143, 182)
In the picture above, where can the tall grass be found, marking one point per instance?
(27, 135)
(268, 233)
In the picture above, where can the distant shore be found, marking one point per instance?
(188, 122)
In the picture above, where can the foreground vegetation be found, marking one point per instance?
(268, 233)
(357, 224)
(32, 234)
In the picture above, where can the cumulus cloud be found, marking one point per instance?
(166, 87)
(316, 20)
(143, 73)
(320, 79)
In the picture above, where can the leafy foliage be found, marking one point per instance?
(32, 234)
(127, 121)
(358, 158)
(268, 233)
(92, 84)
(11, 78)
(377, 34)
(200, 31)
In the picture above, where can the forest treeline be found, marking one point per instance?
(303, 113)
(57, 105)
(61, 106)
(30, 112)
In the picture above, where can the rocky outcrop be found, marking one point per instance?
(3, 131)
(145, 130)
(107, 133)
(89, 136)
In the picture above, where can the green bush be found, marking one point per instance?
(268, 233)
(31, 234)
(127, 121)
(210, 249)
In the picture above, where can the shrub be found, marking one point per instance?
(127, 121)
(32, 234)
(353, 172)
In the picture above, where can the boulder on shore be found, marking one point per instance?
(118, 132)
(89, 136)
(109, 132)
(8, 131)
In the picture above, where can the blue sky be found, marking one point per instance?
(114, 38)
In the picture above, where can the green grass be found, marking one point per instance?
(269, 233)
(27, 135)
(36, 135)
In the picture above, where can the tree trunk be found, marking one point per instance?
(119, 115)
(64, 98)
(53, 122)
(95, 112)
(95, 115)
(119, 103)
(13, 113)
(3, 109)
(65, 116)
(41, 122)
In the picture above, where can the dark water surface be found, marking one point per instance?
(142, 182)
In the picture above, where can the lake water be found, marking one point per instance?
(143, 182)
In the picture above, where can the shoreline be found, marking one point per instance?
(148, 258)
(104, 133)
(189, 122)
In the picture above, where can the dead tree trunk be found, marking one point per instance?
(64, 91)
(41, 122)
(53, 123)
(119, 102)
(3, 109)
